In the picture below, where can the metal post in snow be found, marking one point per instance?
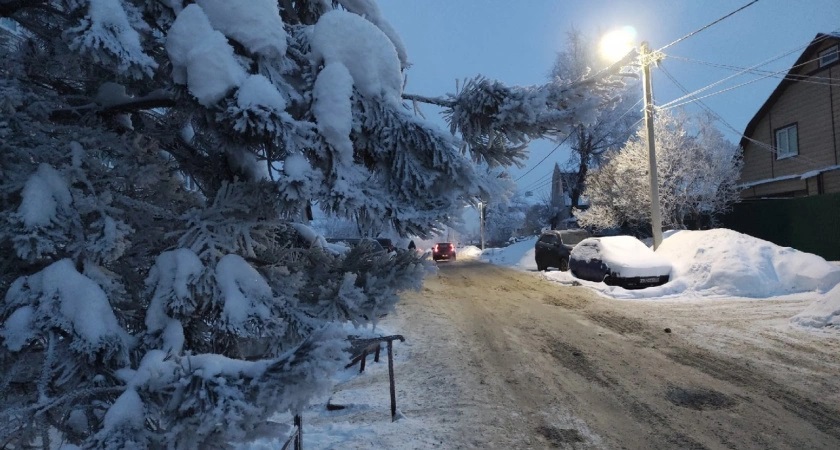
(391, 379)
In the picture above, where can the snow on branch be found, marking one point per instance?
(108, 35)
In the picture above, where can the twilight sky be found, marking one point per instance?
(516, 42)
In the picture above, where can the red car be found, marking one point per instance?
(443, 250)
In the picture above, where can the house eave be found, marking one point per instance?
(790, 78)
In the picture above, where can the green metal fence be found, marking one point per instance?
(810, 224)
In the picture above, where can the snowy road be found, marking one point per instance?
(504, 359)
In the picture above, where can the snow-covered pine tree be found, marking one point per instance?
(155, 157)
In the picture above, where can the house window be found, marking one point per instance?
(787, 142)
(829, 55)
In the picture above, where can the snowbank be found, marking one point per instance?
(519, 255)
(823, 313)
(717, 263)
(725, 262)
(469, 252)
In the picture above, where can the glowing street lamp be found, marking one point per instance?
(614, 46)
(618, 43)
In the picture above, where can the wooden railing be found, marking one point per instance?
(360, 348)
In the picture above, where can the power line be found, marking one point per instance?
(663, 48)
(775, 58)
(822, 81)
(542, 179)
(717, 116)
(673, 104)
(546, 157)
(709, 25)
(631, 108)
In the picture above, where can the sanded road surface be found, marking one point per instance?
(507, 359)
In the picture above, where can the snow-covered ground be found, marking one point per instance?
(708, 265)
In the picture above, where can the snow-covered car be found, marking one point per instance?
(619, 261)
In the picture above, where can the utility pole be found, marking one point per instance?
(647, 58)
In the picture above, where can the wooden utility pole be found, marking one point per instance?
(647, 59)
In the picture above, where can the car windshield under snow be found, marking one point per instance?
(625, 255)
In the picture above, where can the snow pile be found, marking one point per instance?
(725, 262)
(469, 252)
(717, 263)
(823, 313)
(519, 255)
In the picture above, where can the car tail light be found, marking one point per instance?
(436, 248)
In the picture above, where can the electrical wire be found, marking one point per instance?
(663, 48)
(546, 157)
(536, 182)
(824, 81)
(674, 104)
(717, 116)
(548, 183)
(541, 179)
(765, 62)
(709, 25)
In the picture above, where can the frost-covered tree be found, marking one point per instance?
(504, 219)
(156, 157)
(536, 218)
(590, 142)
(698, 173)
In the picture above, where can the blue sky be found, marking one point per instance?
(516, 42)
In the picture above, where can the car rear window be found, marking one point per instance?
(573, 237)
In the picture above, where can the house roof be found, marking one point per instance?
(790, 78)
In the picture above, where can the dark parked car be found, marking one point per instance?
(553, 247)
(619, 261)
(443, 250)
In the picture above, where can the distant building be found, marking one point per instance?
(791, 147)
(560, 201)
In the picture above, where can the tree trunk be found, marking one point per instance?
(585, 153)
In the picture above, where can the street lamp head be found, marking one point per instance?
(617, 43)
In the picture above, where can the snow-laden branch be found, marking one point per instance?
(439, 101)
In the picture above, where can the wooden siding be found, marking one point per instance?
(790, 188)
(831, 182)
(834, 74)
(810, 107)
(813, 63)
